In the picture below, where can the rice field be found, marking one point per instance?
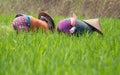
(35, 53)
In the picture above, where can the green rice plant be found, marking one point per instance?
(35, 53)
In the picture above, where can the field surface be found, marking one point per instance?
(35, 53)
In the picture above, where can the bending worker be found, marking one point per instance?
(24, 22)
(73, 26)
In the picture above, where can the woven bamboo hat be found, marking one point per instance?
(44, 16)
(95, 24)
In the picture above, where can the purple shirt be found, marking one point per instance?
(64, 26)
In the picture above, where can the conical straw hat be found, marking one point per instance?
(95, 24)
(48, 19)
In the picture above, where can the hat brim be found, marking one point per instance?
(17, 15)
(51, 21)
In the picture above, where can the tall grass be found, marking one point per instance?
(36, 53)
(86, 8)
